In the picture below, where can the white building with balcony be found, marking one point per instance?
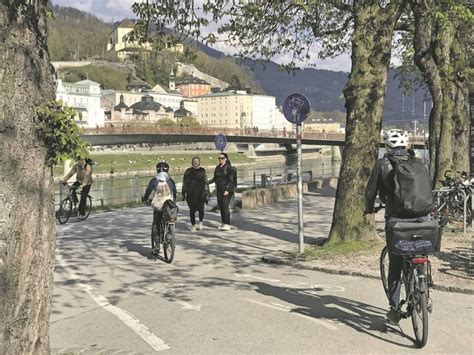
(85, 98)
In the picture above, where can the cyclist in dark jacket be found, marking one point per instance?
(381, 181)
(195, 191)
(157, 214)
(224, 179)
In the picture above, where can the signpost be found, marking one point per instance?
(220, 141)
(296, 108)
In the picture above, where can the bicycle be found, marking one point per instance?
(70, 204)
(415, 301)
(167, 236)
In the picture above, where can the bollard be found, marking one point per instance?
(254, 179)
(263, 180)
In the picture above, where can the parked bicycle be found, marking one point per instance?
(413, 245)
(69, 206)
(452, 200)
(167, 237)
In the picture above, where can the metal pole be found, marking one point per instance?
(299, 188)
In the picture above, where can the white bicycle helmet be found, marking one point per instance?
(162, 176)
(395, 138)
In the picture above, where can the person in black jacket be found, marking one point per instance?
(195, 191)
(224, 179)
(381, 181)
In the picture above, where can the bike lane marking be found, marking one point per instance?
(125, 317)
(288, 309)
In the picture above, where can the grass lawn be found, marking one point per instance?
(333, 251)
(128, 161)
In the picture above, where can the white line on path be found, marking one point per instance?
(256, 277)
(287, 309)
(127, 318)
(189, 306)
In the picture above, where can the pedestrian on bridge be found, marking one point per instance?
(224, 179)
(195, 191)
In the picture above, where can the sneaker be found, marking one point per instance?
(199, 226)
(193, 228)
(81, 218)
(220, 227)
(225, 227)
(156, 250)
(393, 316)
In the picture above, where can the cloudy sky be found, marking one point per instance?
(116, 10)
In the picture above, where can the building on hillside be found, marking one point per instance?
(191, 86)
(125, 49)
(144, 112)
(85, 98)
(119, 44)
(137, 85)
(240, 110)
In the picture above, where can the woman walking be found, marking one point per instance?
(195, 191)
(224, 179)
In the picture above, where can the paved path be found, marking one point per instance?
(217, 297)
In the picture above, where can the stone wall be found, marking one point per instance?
(264, 196)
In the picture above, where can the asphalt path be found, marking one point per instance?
(110, 296)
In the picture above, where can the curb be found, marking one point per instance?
(269, 259)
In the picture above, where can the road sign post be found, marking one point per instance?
(296, 108)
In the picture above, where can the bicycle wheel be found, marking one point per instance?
(65, 210)
(384, 262)
(169, 243)
(88, 207)
(419, 316)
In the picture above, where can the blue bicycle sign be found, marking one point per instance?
(220, 141)
(296, 108)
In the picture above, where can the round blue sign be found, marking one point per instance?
(220, 141)
(296, 108)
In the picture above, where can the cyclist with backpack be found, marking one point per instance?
(83, 171)
(404, 186)
(164, 188)
(224, 179)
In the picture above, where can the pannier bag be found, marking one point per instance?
(170, 211)
(408, 238)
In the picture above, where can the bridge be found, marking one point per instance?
(194, 136)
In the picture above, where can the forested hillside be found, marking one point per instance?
(76, 35)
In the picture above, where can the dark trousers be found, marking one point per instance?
(82, 204)
(223, 203)
(157, 225)
(196, 206)
(395, 267)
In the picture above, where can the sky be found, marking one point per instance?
(116, 10)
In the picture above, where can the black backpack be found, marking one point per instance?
(412, 195)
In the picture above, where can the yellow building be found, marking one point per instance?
(125, 49)
(225, 110)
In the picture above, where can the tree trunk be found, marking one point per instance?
(364, 94)
(441, 56)
(27, 223)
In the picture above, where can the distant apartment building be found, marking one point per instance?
(85, 98)
(126, 49)
(239, 110)
(191, 86)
